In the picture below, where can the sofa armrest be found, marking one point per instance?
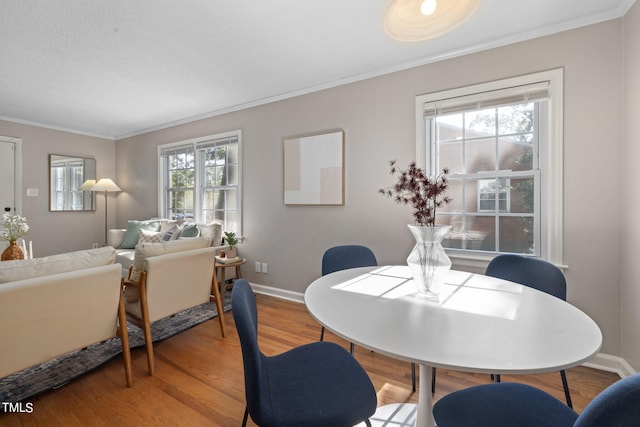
(115, 236)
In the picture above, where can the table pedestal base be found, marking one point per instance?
(408, 414)
(394, 415)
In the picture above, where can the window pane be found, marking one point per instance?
(480, 155)
(484, 228)
(514, 155)
(449, 128)
(516, 234)
(450, 156)
(516, 119)
(480, 123)
(522, 195)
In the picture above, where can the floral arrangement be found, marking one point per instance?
(422, 192)
(14, 227)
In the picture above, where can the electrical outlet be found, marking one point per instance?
(264, 267)
(258, 268)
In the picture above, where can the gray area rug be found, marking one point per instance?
(58, 372)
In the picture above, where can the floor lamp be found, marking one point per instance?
(108, 186)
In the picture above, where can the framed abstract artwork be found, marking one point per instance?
(314, 169)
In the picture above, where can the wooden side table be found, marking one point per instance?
(222, 266)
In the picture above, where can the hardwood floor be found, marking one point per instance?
(199, 378)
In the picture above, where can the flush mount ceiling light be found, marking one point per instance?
(414, 20)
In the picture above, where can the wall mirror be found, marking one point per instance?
(66, 176)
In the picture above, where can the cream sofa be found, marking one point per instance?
(154, 230)
(55, 305)
(166, 279)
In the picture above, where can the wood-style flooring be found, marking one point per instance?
(199, 378)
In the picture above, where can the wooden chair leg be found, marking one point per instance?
(146, 326)
(215, 291)
(123, 333)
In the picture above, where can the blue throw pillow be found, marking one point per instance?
(190, 230)
(130, 239)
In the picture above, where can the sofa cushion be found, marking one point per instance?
(11, 271)
(146, 250)
(130, 239)
(213, 232)
(145, 236)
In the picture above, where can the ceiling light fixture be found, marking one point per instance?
(428, 7)
(415, 20)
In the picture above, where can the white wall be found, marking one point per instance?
(377, 116)
(630, 187)
(57, 232)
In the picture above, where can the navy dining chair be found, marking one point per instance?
(352, 256)
(511, 404)
(313, 385)
(534, 273)
(344, 257)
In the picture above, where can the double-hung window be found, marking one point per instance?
(200, 180)
(502, 144)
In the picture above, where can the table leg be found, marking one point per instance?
(425, 400)
(223, 284)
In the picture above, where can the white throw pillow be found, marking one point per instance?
(145, 236)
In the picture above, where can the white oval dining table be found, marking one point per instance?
(477, 324)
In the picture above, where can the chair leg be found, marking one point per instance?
(246, 416)
(351, 348)
(146, 325)
(413, 377)
(565, 385)
(123, 333)
(433, 380)
(497, 378)
(322, 334)
(367, 422)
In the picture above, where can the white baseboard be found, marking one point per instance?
(278, 293)
(601, 361)
(609, 363)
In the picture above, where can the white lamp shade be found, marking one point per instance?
(87, 185)
(105, 184)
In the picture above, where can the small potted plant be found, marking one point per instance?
(231, 241)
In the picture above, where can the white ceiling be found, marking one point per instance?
(121, 67)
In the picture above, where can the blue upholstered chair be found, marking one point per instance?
(344, 257)
(511, 404)
(352, 256)
(317, 384)
(537, 274)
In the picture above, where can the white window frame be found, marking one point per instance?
(550, 158)
(199, 175)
